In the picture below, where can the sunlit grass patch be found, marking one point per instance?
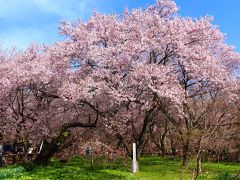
(151, 168)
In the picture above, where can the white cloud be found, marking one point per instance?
(61, 8)
(25, 21)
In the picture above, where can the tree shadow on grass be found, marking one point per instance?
(73, 173)
(74, 169)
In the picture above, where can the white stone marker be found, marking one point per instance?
(134, 163)
(40, 149)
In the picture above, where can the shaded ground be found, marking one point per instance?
(151, 168)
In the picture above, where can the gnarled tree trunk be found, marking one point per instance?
(51, 148)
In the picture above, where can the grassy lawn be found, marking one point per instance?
(151, 168)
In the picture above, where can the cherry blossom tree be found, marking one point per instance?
(150, 60)
(31, 110)
(119, 73)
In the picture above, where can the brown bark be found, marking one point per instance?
(50, 148)
(185, 153)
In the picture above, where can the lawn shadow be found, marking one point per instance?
(76, 169)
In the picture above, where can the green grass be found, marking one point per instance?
(151, 168)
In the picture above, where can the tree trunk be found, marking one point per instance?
(199, 165)
(47, 152)
(198, 168)
(185, 153)
(163, 146)
(50, 148)
(142, 136)
(173, 147)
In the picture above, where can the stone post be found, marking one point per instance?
(134, 159)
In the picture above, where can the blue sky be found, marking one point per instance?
(26, 21)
